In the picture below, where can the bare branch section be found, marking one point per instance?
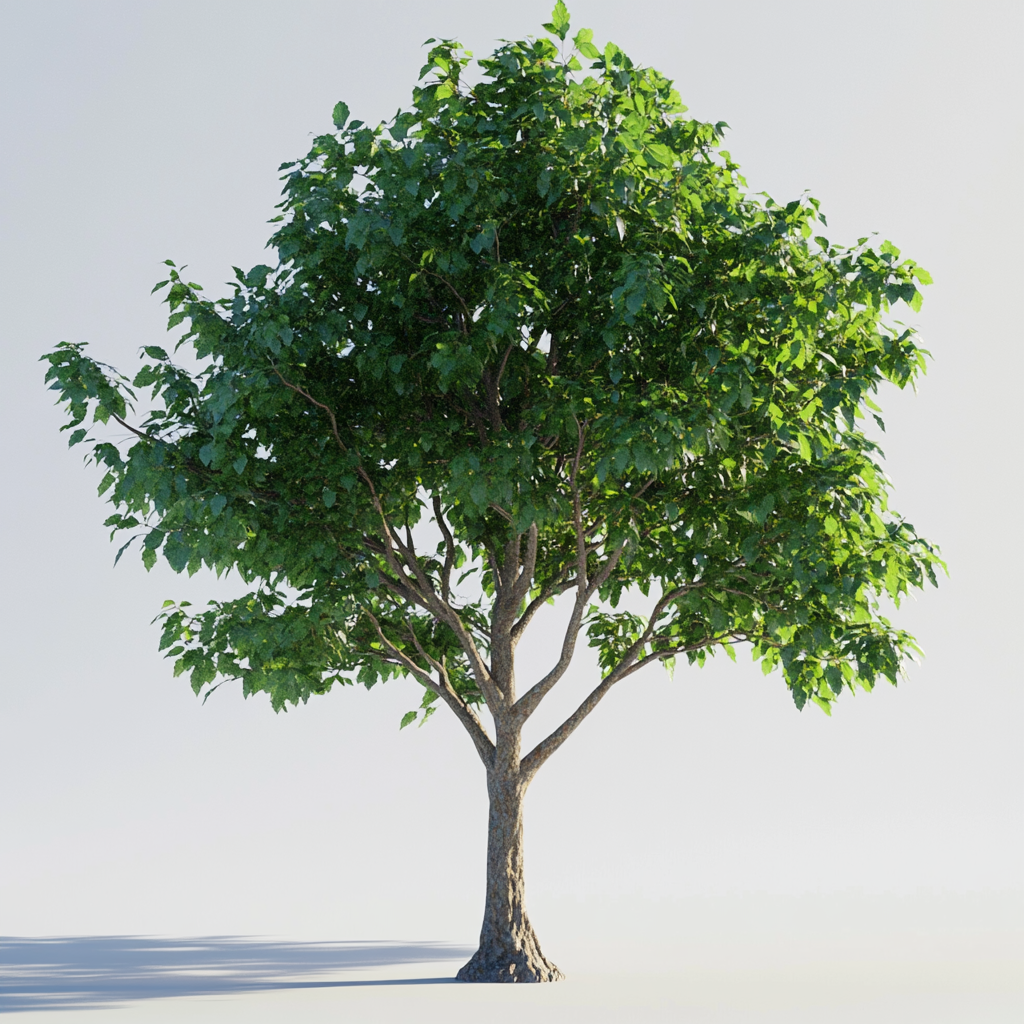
(513, 578)
(629, 664)
(532, 762)
(527, 704)
(546, 593)
(426, 596)
(585, 587)
(443, 688)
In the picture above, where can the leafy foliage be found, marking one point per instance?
(540, 313)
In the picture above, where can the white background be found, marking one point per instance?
(137, 131)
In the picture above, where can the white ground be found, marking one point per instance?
(851, 959)
(934, 993)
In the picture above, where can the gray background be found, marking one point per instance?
(695, 817)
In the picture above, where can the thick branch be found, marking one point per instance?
(493, 403)
(444, 612)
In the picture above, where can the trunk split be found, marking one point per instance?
(509, 950)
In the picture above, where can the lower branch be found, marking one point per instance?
(443, 688)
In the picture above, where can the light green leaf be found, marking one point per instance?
(559, 24)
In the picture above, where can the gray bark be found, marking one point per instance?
(509, 950)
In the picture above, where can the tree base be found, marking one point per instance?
(509, 968)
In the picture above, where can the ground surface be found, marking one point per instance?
(131, 979)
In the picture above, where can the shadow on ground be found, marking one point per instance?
(90, 971)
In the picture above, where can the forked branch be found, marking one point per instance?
(532, 762)
(527, 704)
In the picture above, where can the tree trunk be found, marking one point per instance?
(509, 950)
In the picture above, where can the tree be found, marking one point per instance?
(533, 337)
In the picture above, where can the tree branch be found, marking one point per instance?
(527, 704)
(444, 612)
(137, 433)
(444, 689)
(532, 762)
(525, 578)
(577, 511)
(467, 316)
(320, 405)
(449, 549)
(504, 363)
(552, 590)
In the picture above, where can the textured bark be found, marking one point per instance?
(509, 950)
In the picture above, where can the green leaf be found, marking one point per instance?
(177, 553)
(408, 718)
(764, 508)
(340, 115)
(329, 497)
(661, 153)
(559, 24)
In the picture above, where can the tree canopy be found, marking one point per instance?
(533, 335)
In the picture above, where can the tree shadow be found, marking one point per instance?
(90, 971)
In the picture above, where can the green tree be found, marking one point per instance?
(532, 337)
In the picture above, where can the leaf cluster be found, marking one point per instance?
(547, 301)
